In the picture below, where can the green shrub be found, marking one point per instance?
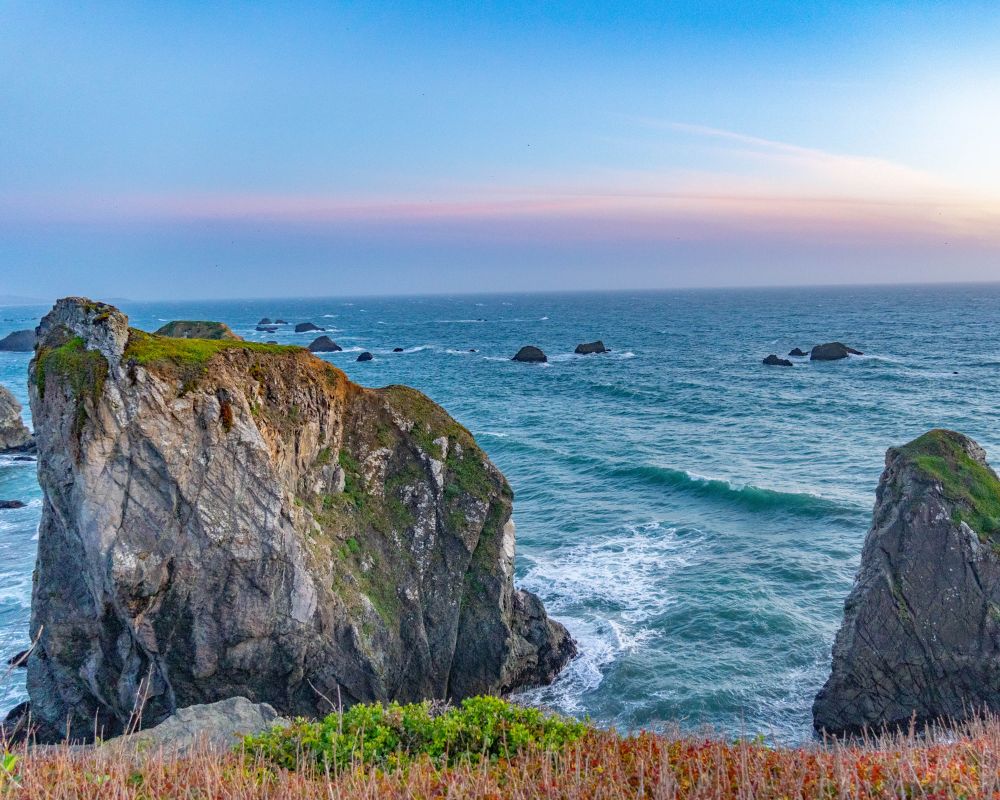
(394, 735)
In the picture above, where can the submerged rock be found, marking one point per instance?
(365, 356)
(14, 434)
(921, 631)
(798, 352)
(832, 351)
(303, 327)
(228, 519)
(773, 361)
(397, 349)
(198, 329)
(590, 347)
(324, 344)
(18, 342)
(530, 354)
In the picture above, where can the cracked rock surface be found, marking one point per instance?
(921, 631)
(227, 519)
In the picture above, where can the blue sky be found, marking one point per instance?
(162, 150)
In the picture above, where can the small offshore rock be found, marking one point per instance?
(397, 349)
(324, 344)
(280, 322)
(798, 352)
(18, 342)
(198, 329)
(773, 361)
(264, 321)
(19, 660)
(530, 354)
(266, 328)
(365, 356)
(303, 327)
(832, 351)
(7, 504)
(587, 348)
(473, 350)
(14, 434)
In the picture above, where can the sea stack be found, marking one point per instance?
(197, 329)
(14, 434)
(226, 519)
(921, 632)
(324, 344)
(589, 348)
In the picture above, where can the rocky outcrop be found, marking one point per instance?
(14, 434)
(365, 356)
(921, 632)
(198, 329)
(773, 361)
(397, 349)
(7, 505)
(304, 327)
(324, 344)
(264, 321)
(832, 351)
(798, 352)
(589, 348)
(218, 726)
(530, 354)
(228, 519)
(18, 342)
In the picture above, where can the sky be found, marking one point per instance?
(175, 150)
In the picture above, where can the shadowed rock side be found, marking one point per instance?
(229, 519)
(921, 630)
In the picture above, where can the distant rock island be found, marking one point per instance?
(225, 518)
(191, 329)
(921, 632)
(18, 342)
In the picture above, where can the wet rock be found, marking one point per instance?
(773, 361)
(588, 348)
(832, 351)
(10, 504)
(397, 349)
(530, 354)
(365, 356)
(798, 352)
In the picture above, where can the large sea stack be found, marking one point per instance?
(226, 518)
(921, 633)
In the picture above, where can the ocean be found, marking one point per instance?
(694, 517)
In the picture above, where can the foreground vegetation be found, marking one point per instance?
(419, 752)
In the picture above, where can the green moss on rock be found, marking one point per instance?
(972, 486)
(75, 367)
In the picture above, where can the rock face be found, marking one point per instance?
(798, 352)
(921, 630)
(530, 355)
(773, 361)
(303, 327)
(832, 351)
(228, 519)
(220, 726)
(590, 347)
(324, 344)
(14, 434)
(197, 329)
(18, 342)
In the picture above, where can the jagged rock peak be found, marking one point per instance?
(921, 632)
(226, 518)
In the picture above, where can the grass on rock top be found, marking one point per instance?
(974, 487)
(197, 329)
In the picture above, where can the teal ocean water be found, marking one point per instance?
(694, 517)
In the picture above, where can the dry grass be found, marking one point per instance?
(947, 764)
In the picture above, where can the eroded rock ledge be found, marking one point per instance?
(223, 519)
(921, 631)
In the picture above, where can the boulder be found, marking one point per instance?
(218, 726)
(324, 344)
(14, 434)
(798, 352)
(198, 329)
(590, 347)
(18, 342)
(832, 351)
(365, 356)
(10, 504)
(264, 321)
(254, 524)
(920, 637)
(397, 349)
(530, 354)
(304, 327)
(773, 361)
